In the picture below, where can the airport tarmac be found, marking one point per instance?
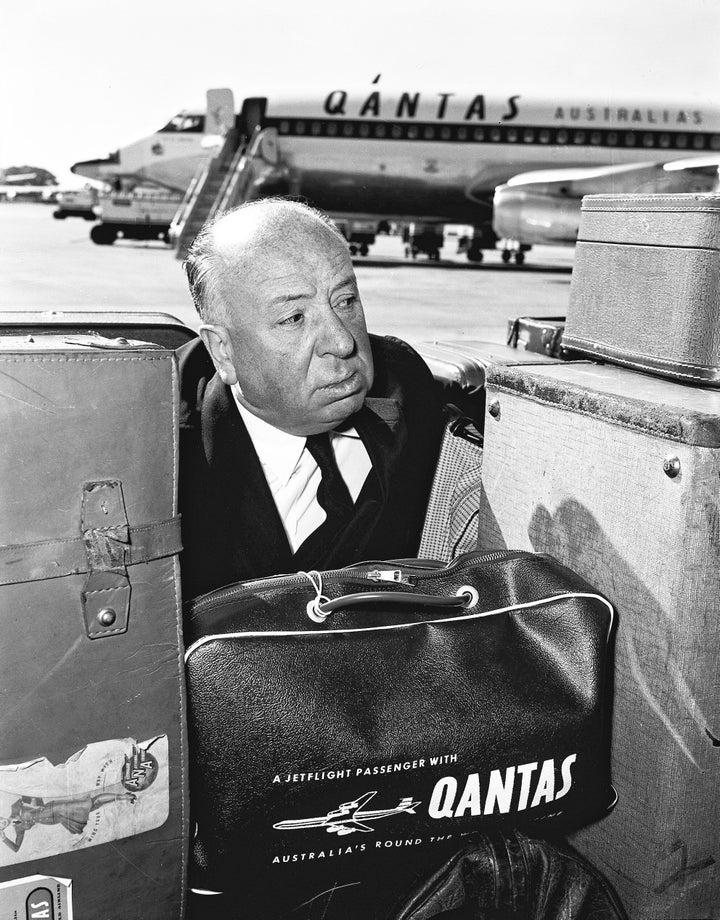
(48, 264)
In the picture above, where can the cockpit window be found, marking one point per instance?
(185, 122)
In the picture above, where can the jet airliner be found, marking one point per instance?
(349, 817)
(431, 158)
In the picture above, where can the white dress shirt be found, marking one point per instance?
(294, 476)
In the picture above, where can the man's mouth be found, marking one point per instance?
(344, 385)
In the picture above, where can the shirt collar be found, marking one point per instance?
(278, 451)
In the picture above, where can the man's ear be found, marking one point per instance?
(219, 345)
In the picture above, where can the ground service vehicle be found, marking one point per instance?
(143, 214)
(81, 202)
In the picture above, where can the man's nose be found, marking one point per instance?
(335, 337)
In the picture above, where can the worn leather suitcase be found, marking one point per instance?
(645, 288)
(93, 797)
(624, 490)
(459, 369)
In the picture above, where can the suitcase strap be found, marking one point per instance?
(108, 545)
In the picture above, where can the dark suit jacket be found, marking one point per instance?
(231, 528)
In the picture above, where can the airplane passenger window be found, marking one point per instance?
(596, 137)
(462, 134)
(629, 139)
(648, 140)
(479, 134)
(445, 133)
(664, 140)
(299, 127)
(512, 135)
(698, 142)
(364, 130)
(562, 136)
(379, 130)
(544, 136)
(528, 136)
(284, 127)
(332, 129)
(429, 133)
(396, 131)
(579, 137)
(412, 132)
(347, 129)
(612, 139)
(715, 142)
(681, 140)
(316, 128)
(495, 135)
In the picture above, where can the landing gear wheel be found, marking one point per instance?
(519, 258)
(506, 256)
(364, 249)
(353, 250)
(475, 255)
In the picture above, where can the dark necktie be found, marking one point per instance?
(332, 495)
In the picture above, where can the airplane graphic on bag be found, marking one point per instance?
(349, 817)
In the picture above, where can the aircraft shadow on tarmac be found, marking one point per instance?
(464, 266)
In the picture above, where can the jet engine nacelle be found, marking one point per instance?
(544, 206)
(532, 217)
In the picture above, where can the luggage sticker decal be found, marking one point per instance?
(106, 791)
(37, 897)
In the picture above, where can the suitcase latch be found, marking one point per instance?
(106, 534)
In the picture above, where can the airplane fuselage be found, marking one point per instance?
(440, 156)
(431, 157)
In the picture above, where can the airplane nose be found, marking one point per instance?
(95, 169)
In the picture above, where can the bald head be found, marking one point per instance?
(282, 317)
(225, 247)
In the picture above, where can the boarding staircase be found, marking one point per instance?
(218, 185)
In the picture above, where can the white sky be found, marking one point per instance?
(81, 77)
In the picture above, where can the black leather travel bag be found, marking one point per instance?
(349, 729)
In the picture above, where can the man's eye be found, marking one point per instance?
(346, 302)
(291, 320)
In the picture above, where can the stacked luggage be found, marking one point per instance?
(616, 473)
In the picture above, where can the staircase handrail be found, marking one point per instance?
(194, 190)
(222, 197)
(239, 168)
(191, 196)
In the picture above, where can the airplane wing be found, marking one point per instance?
(349, 808)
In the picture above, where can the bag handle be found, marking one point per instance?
(321, 607)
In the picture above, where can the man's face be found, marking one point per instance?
(300, 346)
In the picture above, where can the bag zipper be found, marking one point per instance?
(395, 574)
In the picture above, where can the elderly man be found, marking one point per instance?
(313, 444)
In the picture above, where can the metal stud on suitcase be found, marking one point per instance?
(93, 794)
(616, 474)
